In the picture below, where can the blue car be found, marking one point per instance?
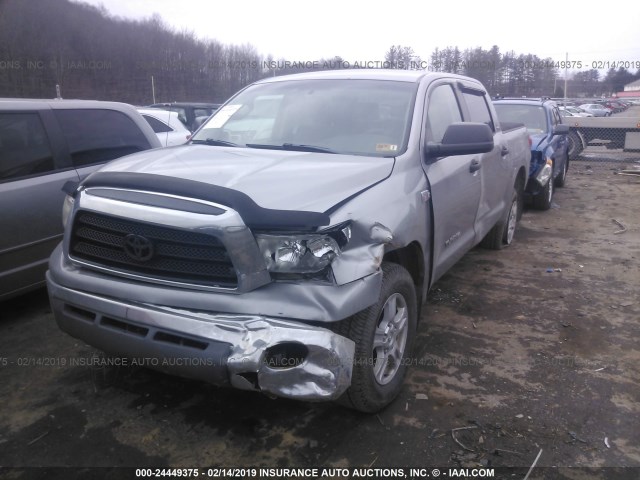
(549, 144)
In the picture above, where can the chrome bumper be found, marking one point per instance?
(222, 349)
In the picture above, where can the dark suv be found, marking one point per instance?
(191, 114)
(549, 145)
(44, 144)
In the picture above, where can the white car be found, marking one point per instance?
(595, 109)
(567, 113)
(167, 126)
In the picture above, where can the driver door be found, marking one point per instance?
(455, 184)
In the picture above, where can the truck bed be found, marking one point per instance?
(509, 126)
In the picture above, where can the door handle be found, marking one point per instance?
(504, 151)
(475, 165)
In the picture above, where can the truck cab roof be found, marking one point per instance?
(526, 100)
(412, 76)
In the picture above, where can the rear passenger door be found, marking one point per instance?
(32, 173)
(495, 166)
(454, 182)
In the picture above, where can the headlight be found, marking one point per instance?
(302, 254)
(67, 207)
(545, 172)
(297, 254)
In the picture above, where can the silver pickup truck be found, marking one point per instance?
(289, 246)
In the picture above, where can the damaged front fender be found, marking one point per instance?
(365, 253)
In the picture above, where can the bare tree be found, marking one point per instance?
(402, 58)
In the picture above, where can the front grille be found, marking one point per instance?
(160, 252)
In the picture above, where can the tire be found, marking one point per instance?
(575, 145)
(561, 179)
(543, 200)
(502, 233)
(383, 334)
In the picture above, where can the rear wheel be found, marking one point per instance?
(383, 334)
(503, 232)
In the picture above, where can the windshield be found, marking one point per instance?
(533, 116)
(358, 117)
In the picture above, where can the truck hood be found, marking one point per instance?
(537, 140)
(274, 179)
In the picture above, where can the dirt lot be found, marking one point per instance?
(528, 359)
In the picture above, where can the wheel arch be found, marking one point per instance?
(520, 184)
(411, 257)
(579, 142)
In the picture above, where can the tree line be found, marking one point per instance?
(511, 74)
(89, 53)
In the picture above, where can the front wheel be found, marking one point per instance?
(561, 179)
(575, 145)
(543, 200)
(383, 334)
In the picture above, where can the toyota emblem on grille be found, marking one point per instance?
(138, 247)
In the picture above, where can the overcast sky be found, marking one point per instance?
(364, 30)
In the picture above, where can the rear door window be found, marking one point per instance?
(157, 125)
(478, 108)
(24, 146)
(97, 136)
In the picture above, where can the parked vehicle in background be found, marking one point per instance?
(595, 109)
(618, 106)
(188, 111)
(622, 104)
(613, 105)
(289, 246)
(566, 113)
(549, 145)
(574, 111)
(43, 145)
(199, 121)
(165, 123)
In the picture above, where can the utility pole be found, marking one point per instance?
(566, 64)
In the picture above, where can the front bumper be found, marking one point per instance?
(226, 350)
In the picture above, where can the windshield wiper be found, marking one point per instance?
(292, 146)
(215, 143)
(306, 148)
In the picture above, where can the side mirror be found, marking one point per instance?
(560, 129)
(464, 138)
